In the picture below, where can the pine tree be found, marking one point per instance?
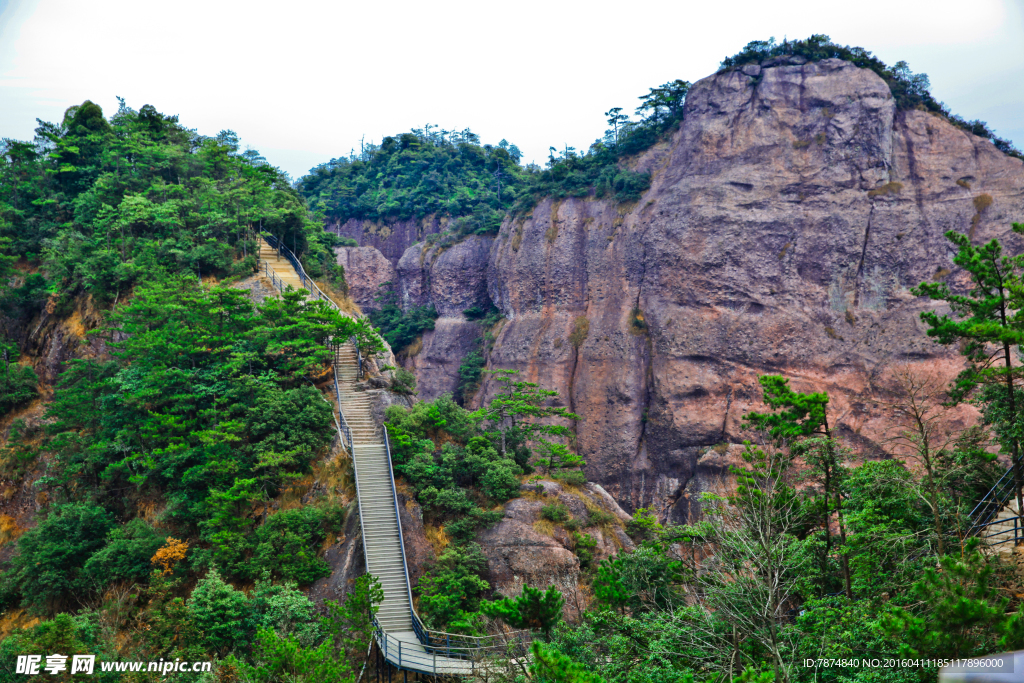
(533, 609)
(799, 416)
(551, 666)
(987, 323)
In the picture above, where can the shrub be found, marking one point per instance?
(48, 569)
(285, 609)
(643, 526)
(570, 477)
(453, 587)
(598, 517)
(469, 376)
(286, 544)
(501, 480)
(18, 386)
(446, 502)
(584, 549)
(18, 455)
(400, 328)
(555, 512)
(404, 382)
(65, 634)
(219, 611)
(533, 609)
(127, 554)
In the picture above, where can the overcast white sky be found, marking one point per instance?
(303, 81)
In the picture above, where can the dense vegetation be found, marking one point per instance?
(100, 204)
(461, 466)
(164, 463)
(412, 175)
(167, 469)
(451, 175)
(909, 90)
(400, 328)
(204, 410)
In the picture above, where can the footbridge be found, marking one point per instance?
(402, 640)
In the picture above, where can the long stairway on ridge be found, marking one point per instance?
(401, 641)
(385, 558)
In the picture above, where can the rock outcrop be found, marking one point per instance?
(366, 269)
(787, 219)
(451, 277)
(392, 238)
(523, 549)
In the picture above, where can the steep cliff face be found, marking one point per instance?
(452, 278)
(786, 222)
(391, 239)
(366, 269)
(787, 219)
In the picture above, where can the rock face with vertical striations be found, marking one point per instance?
(366, 269)
(390, 239)
(787, 219)
(452, 278)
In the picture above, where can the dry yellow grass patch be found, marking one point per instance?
(291, 497)
(9, 529)
(337, 476)
(15, 619)
(436, 537)
(413, 349)
(886, 190)
(544, 527)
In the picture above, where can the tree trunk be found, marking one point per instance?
(842, 535)
(1017, 478)
(828, 520)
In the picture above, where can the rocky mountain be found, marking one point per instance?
(787, 219)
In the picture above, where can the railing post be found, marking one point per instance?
(399, 654)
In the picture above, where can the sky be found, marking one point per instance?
(303, 82)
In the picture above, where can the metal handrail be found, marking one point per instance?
(398, 520)
(346, 430)
(452, 661)
(308, 283)
(993, 501)
(449, 646)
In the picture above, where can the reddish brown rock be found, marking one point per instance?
(517, 555)
(391, 238)
(366, 269)
(788, 218)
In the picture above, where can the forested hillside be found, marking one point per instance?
(158, 465)
(673, 452)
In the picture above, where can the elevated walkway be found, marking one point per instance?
(403, 640)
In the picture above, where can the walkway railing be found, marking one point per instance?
(398, 518)
(986, 513)
(436, 652)
(448, 660)
(307, 282)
